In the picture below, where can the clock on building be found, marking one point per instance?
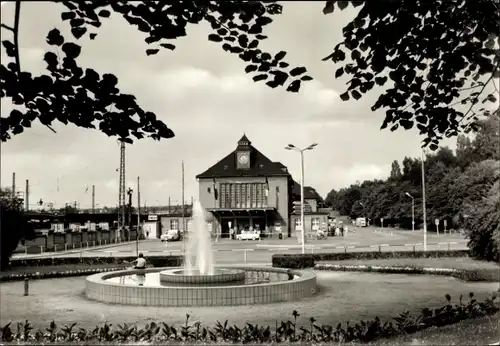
(244, 160)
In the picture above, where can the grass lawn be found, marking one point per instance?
(342, 297)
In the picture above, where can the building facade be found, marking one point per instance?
(246, 190)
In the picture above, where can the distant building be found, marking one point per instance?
(246, 190)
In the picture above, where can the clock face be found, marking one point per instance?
(243, 158)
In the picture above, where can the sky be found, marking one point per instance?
(203, 94)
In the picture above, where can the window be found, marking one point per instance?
(315, 223)
(238, 195)
(254, 195)
(174, 224)
(249, 196)
(233, 195)
(298, 224)
(209, 190)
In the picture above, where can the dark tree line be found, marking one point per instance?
(462, 188)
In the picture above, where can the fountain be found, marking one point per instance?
(200, 282)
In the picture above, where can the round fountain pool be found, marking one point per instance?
(226, 286)
(220, 275)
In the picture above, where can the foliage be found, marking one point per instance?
(13, 225)
(284, 332)
(483, 274)
(454, 182)
(156, 261)
(432, 51)
(299, 261)
(483, 224)
(387, 39)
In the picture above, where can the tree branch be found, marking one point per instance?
(15, 30)
(6, 27)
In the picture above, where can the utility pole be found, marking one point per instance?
(121, 192)
(129, 193)
(424, 212)
(27, 196)
(169, 205)
(13, 185)
(138, 216)
(183, 210)
(93, 199)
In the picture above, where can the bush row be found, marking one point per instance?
(284, 332)
(483, 274)
(299, 261)
(156, 261)
(57, 273)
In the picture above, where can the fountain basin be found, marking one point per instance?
(182, 276)
(302, 285)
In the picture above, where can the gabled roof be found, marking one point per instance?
(260, 165)
(309, 192)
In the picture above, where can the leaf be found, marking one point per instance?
(78, 32)
(260, 77)
(67, 15)
(92, 36)
(306, 78)
(298, 71)
(253, 44)
(339, 72)
(381, 80)
(329, 7)
(279, 56)
(54, 38)
(342, 4)
(356, 94)
(345, 96)
(214, 38)
(104, 13)
(250, 68)
(151, 51)
(294, 86)
(71, 50)
(167, 45)
(283, 64)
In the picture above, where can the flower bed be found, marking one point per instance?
(491, 275)
(283, 332)
(299, 261)
(56, 274)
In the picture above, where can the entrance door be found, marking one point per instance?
(225, 227)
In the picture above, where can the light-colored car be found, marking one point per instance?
(248, 235)
(171, 235)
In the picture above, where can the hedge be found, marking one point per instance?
(156, 261)
(285, 332)
(299, 261)
(490, 275)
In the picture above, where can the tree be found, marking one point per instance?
(13, 226)
(483, 225)
(395, 171)
(387, 39)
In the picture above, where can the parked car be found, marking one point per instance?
(171, 235)
(248, 235)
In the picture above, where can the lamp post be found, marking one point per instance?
(301, 151)
(424, 212)
(412, 211)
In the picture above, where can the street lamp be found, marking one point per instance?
(301, 151)
(412, 211)
(424, 212)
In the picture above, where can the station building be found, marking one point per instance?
(246, 190)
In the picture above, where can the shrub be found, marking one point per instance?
(283, 332)
(296, 261)
(490, 275)
(157, 261)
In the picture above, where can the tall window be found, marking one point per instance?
(298, 224)
(315, 223)
(254, 195)
(233, 195)
(174, 224)
(238, 195)
(249, 195)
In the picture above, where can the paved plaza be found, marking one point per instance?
(362, 239)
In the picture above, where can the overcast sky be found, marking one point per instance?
(204, 96)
